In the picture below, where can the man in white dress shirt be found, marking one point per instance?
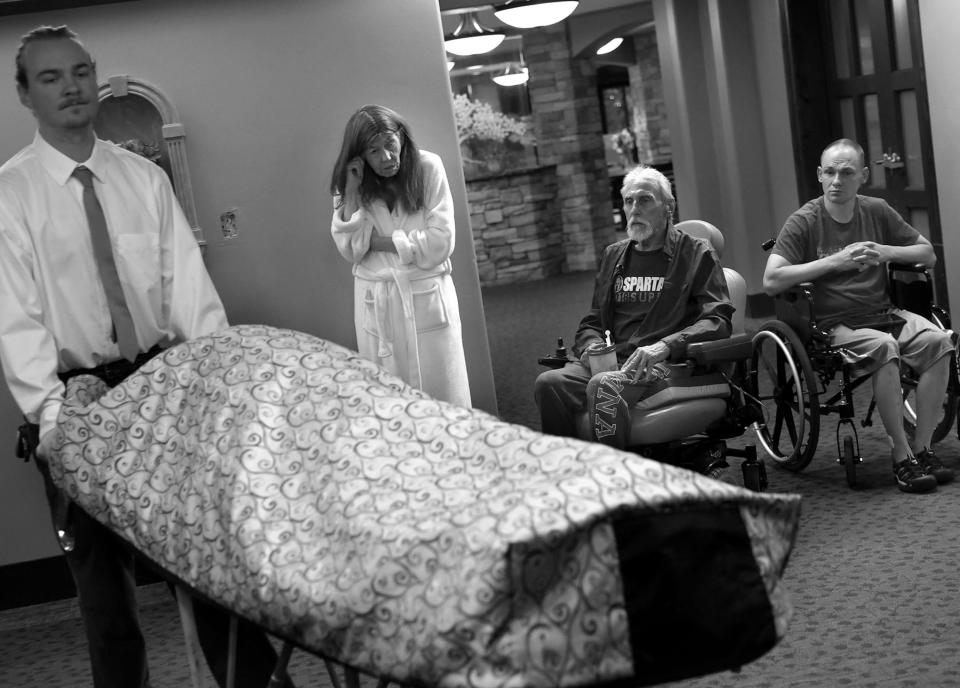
(55, 320)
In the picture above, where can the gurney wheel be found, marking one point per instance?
(751, 477)
(850, 461)
(754, 476)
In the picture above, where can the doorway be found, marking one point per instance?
(864, 79)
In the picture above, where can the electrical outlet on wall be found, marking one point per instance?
(228, 223)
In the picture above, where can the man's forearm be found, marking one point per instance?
(778, 279)
(916, 253)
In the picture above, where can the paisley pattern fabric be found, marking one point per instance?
(308, 490)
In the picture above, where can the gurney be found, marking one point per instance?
(311, 492)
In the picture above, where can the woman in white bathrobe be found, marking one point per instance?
(393, 219)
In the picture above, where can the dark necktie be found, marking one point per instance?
(123, 330)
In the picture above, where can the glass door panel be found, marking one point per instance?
(901, 35)
(874, 142)
(864, 36)
(910, 132)
(919, 218)
(840, 13)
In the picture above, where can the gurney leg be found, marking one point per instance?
(350, 675)
(232, 653)
(280, 670)
(331, 669)
(185, 605)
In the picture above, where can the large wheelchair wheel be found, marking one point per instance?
(944, 422)
(783, 383)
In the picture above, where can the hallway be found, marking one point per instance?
(871, 577)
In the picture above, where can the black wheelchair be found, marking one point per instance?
(796, 376)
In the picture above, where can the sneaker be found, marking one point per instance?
(933, 466)
(910, 477)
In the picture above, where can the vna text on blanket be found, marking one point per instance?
(304, 488)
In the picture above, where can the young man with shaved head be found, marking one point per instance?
(842, 242)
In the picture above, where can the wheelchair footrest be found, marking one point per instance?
(735, 348)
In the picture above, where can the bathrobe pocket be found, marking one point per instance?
(429, 308)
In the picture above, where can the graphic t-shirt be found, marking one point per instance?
(635, 289)
(811, 233)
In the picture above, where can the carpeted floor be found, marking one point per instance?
(871, 578)
(872, 574)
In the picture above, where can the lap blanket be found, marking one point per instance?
(309, 491)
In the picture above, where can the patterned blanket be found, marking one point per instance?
(313, 493)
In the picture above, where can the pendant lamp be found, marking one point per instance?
(529, 14)
(610, 46)
(513, 75)
(470, 38)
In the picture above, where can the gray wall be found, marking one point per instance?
(725, 91)
(264, 90)
(940, 24)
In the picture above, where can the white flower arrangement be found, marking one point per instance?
(489, 140)
(478, 120)
(150, 151)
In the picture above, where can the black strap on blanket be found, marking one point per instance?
(113, 373)
(28, 437)
(28, 434)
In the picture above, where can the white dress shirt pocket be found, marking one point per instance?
(138, 259)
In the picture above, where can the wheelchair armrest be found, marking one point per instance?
(735, 348)
(799, 290)
(908, 267)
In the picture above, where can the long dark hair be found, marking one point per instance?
(364, 125)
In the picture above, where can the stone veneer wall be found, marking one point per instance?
(649, 106)
(516, 226)
(568, 126)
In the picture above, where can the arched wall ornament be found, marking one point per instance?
(174, 136)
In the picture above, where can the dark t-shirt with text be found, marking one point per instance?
(635, 289)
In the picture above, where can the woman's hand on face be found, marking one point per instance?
(351, 191)
(354, 175)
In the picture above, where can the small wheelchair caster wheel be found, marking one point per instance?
(850, 461)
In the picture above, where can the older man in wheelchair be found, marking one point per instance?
(649, 367)
(838, 246)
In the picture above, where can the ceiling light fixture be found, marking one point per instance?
(609, 46)
(513, 75)
(470, 38)
(529, 14)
